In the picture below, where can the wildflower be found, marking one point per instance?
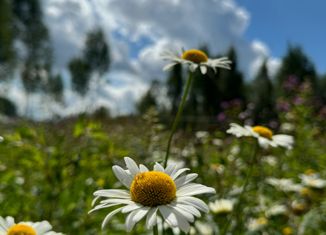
(285, 185)
(313, 181)
(264, 135)
(222, 206)
(257, 224)
(299, 208)
(287, 231)
(276, 210)
(167, 191)
(195, 59)
(9, 227)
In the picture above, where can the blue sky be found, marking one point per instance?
(279, 22)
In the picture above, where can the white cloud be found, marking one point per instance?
(138, 31)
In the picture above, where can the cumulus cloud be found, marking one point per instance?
(138, 32)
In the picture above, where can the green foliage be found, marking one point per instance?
(7, 107)
(96, 52)
(7, 54)
(296, 63)
(174, 86)
(80, 75)
(263, 97)
(149, 99)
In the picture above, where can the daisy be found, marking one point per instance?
(195, 59)
(285, 185)
(264, 135)
(222, 206)
(313, 181)
(9, 227)
(166, 191)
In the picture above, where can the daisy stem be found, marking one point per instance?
(177, 117)
(244, 189)
(155, 230)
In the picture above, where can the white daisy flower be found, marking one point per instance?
(221, 206)
(166, 191)
(313, 181)
(276, 210)
(9, 227)
(257, 223)
(195, 59)
(285, 185)
(264, 135)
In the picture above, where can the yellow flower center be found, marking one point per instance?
(153, 188)
(21, 229)
(194, 55)
(263, 131)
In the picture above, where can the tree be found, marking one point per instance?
(7, 54)
(174, 86)
(7, 107)
(263, 96)
(148, 100)
(95, 61)
(231, 81)
(296, 63)
(96, 53)
(55, 87)
(32, 32)
(80, 75)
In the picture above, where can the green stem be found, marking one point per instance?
(155, 230)
(244, 188)
(177, 118)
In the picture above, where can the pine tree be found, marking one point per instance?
(296, 63)
(32, 32)
(7, 54)
(94, 62)
(174, 86)
(80, 75)
(96, 53)
(231, 81)
(263, 96)
(148, 100)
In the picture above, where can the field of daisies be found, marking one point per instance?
(138, 175)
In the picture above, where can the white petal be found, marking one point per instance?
(168, 66)
(179, 172)
(101, 206)
(117, 200)
(238, 130)
(158, 167)
(191, 209)
(143, 168)
(109, 216)
(283, 140)
(42, 227)
(193, 201)
(170, 168)
(151, 219)
(187, 215)
(185, 179)
(168, 216)
(122, 176)
(182, 221)
(193, 67)
(115, 193)
(131, 207)
(194, 189)
(203, 69)
(132, 166)
(134, 217)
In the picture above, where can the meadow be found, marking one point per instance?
(50, 170)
